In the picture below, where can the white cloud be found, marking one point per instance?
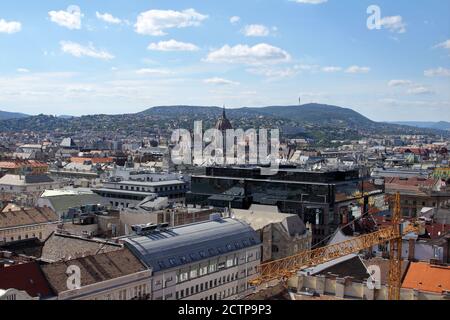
(259, 54)
(275, 73)
(399, 83)
(148, 71)
(310, 1)
(357, 69)
(172, 45)
(256, 30)
(71, 18)
(107, 17)
(10, 27)
(420, 90)
(23, 70)
(331, 69)
(438, 72)
(394, 24)
(235, 20)
(444, 45)
(78, 50)
(154, 22)
(220, 82)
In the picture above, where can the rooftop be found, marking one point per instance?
(23, 217)
(151, 184)
(259, 216)
(94, 268)
(65, 247)
(25, 277)
(19, 180)
(427, 277)
(195, 242)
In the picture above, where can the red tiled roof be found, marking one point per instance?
(16, 164)
(94, 160)
(426, 277)
(25, 277)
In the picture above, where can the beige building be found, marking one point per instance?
(281, 234)
(17, 223)
(157, 210)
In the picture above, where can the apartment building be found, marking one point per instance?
(18, 223)
(125, 194)
(212, 260)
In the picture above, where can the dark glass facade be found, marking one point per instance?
(317, 197)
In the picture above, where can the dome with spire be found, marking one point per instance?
(223, 123)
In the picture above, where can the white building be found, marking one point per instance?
(124, 194)
(212, 260)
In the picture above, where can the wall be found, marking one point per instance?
(245, 269)
(40, 231)
(345, 288)
(123, 288)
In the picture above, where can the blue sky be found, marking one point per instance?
(98, 56)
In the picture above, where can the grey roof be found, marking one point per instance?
(195, 242)
(59, 247)
(118, 191)
(152, 184)
(17, 180)
(259, 216)
(38, 179)
(62, 203)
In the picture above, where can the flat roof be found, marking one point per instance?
(149, 183)
(118, 191)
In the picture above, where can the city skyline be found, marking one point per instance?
(89, 57)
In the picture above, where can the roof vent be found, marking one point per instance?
(142, 229)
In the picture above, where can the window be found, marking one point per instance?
(184, 276)
(172, 261)
(194, 273)
(203, 270)
(183, 259)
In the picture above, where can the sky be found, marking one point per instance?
(95, 56)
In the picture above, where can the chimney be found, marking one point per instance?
(411, 250)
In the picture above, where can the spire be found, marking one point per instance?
(224, 112)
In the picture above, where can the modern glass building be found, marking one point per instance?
(325, 199)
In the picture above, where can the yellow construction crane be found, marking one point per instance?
(285, 268)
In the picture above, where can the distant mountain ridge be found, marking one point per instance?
(5, 115)
(440, 125)
(322, 123)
